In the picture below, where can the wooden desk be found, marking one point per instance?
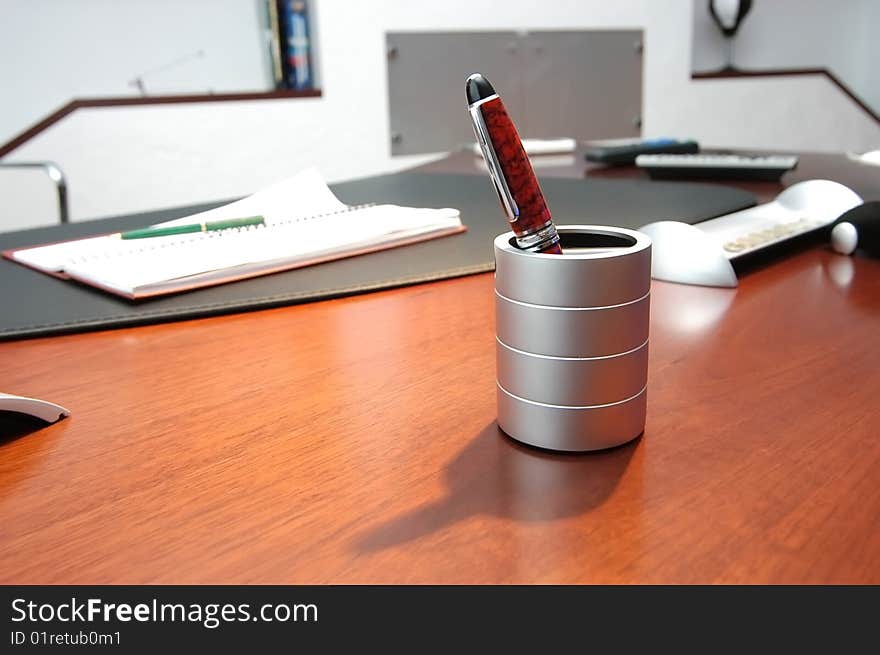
(353, 441)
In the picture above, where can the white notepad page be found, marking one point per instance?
(304, 194)
(305, 224)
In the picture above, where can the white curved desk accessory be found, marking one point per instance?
(41, 409)
(701, 254)
(870, 158)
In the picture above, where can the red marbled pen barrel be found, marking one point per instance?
(510, 169)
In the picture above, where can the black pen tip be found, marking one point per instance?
(478, 88)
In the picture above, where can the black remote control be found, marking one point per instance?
(625, 155)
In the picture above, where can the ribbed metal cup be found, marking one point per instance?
(572, 331)
(572, 338)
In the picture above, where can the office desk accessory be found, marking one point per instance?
(572, 338)
(769, 168)
(626, 154)
(869, 158)
(510, 170)
(358, 438)
(858, 228)
(300, 223)
(705, 253)
(536, 146)
(39, 305)
(154, 231)
(41, 409)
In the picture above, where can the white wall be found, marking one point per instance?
(866, 72)
(137, 158)
(58, 50)
(836, 34)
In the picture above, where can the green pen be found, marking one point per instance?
(205, 226)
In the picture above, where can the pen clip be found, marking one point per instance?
(496, 174)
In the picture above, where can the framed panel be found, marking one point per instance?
(426, 76)
(584, 84)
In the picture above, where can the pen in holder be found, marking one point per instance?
(572, 338)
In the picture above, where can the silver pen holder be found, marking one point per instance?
(572, 338)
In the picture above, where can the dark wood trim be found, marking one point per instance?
(35, 129)
(73, 105)
(783, 72)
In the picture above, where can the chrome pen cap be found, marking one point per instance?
(479, 91)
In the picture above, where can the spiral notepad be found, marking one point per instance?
(305, 224)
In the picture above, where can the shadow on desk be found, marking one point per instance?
(14, 425)
(496, 476)
(39, 438)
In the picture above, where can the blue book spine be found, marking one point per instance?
(294, 20)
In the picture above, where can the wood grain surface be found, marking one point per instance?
(354, 441)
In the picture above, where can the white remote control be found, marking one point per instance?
(741, 167)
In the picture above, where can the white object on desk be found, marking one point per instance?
(703, 253)
(844, 238)
(872, 157)
(305, 224)
(41, 409)
(538, 146)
